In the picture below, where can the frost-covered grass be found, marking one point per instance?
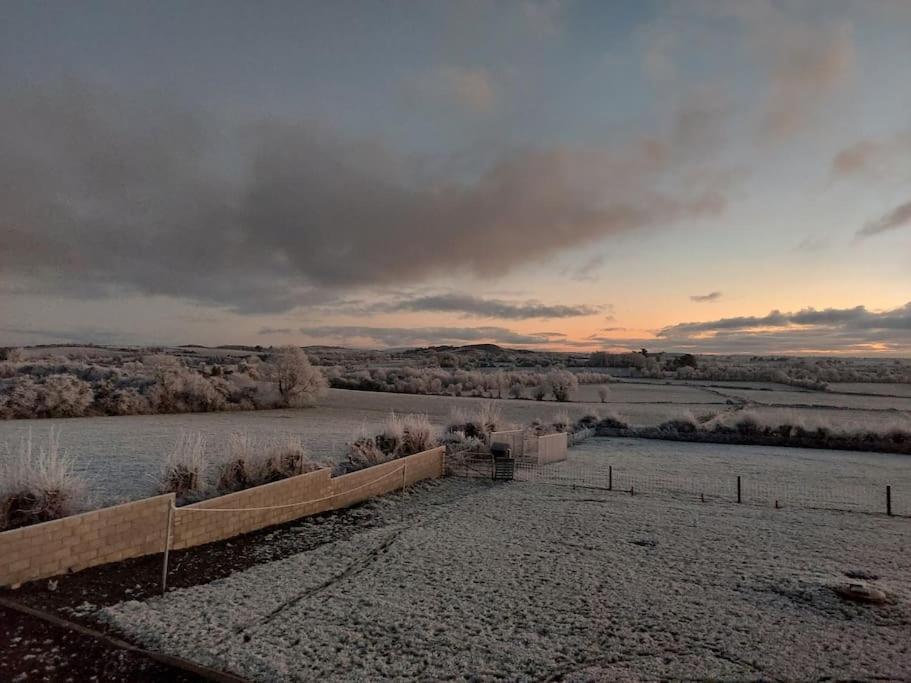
(185, 470)
(400, 436)
(252, 461)
(38, 484)
(526, 581)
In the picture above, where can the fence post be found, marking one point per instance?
(889, 500)
(167, 550)
(610, 477)
(403, 491)
(739, 499)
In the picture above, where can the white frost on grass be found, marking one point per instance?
(523, 581)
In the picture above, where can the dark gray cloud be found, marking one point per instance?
(706, 298)
(275, 330)
(899, 217)
(110, 192)
(424, 336)
(469, 305)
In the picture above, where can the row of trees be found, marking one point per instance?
(155, 383)
(808, 373)
(539, 385)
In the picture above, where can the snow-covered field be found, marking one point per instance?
(529, 581)
(796, 477)
(121, 456)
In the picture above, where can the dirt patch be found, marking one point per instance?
(35, 650)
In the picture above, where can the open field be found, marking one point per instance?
(121, 456)
(529, 581)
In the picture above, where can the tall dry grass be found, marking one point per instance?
(39, 484)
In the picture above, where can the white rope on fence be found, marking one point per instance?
(291, 505)
(173, 509)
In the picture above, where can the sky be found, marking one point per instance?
(692, 175)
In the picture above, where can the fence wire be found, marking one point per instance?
(870, 498)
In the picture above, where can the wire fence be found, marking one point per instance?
(867, 498)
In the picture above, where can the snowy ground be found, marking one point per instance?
(121, 456)
(529, 581)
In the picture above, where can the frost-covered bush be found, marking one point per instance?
(251, 462)
(143, 383)
(561, 384)
(477, 421)
(185, 469)
(401, 436)
(64, 396)
(299, 383)
(38, 485)
(613, 421)
(562, 421)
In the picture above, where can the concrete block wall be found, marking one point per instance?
(192, 527)
(73, 543)
(140, 528)
(381, 479)
(306, 494)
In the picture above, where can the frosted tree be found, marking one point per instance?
(561, 383)
(299, 383)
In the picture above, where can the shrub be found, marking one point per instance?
(486, 417)
(184, 470)
(561, 383)
(402, 435)
(39, 487)
(363, 452)
(299, 383)
(64, 396)
(251, 463)
(562, 422)
(613, 421)
(682, 425)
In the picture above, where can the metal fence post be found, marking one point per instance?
(739, 498)
(167, 550)
(889, 500)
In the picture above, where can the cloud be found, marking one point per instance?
(469, 305)
(470, 89)
(899, 217)
(706, 298)
(800, 60)
(357, 335)
(876, 159)
(587, 271)
(275, 330)
(809, 63)
(121, 193)
(813, 243)
(856, 330)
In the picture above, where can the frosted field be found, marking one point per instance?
(121, 456)
(528, 581)
(820, 398)
(871, 388)
(796, 477)
(624, 393)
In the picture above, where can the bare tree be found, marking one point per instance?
(299, 383)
